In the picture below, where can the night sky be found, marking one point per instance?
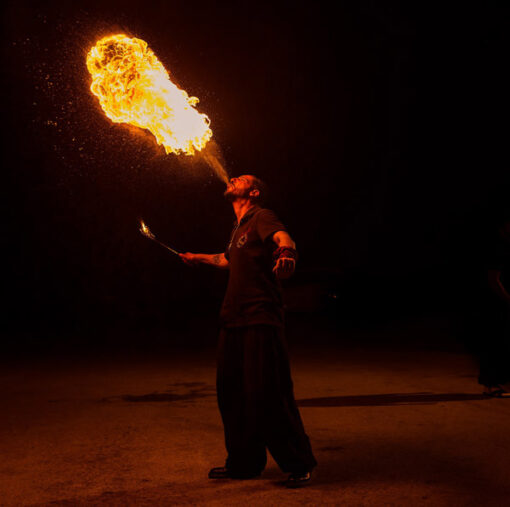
(376, 127)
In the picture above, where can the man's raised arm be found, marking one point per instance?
(193, 259)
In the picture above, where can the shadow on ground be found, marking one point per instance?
(192, 391)
(380, 400)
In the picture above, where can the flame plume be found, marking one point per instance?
(133, 87)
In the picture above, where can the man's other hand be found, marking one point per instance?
(284, 267)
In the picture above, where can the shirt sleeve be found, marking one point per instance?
(267, 224)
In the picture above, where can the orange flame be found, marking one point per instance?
(133, 87)
(145, 230)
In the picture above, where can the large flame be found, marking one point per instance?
(133, 87)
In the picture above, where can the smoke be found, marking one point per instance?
(214, 158)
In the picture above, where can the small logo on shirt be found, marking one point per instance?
(242, 240)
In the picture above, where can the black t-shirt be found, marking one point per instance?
(253, 293)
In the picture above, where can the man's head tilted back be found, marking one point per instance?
(247, 187)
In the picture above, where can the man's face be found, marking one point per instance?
(239, 188)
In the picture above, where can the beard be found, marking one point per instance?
(229, 194)
(232, 193)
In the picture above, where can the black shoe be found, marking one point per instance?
(496, 392)
(298, 480)
(225, 473)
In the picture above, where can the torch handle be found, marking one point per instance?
(166, 246)
(148, 234)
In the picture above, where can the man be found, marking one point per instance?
(494, 331)
(254, 386)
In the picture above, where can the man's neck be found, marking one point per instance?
(241, 207)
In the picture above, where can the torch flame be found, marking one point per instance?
(133, 87)
(145, 230)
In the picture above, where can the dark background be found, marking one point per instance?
(376, 126)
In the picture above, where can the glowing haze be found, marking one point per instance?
(133, 87)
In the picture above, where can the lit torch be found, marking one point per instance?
(148, 234)
(133, 87)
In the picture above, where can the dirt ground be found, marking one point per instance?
(389, 426)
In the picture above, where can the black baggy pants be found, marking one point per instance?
(256, 401)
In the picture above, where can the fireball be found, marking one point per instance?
(133, 87)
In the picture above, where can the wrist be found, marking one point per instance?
(285, 252)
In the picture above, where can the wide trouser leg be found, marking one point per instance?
(256, 400)
(246, 452)
(284, 433)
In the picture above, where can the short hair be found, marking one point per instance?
(262, 188)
